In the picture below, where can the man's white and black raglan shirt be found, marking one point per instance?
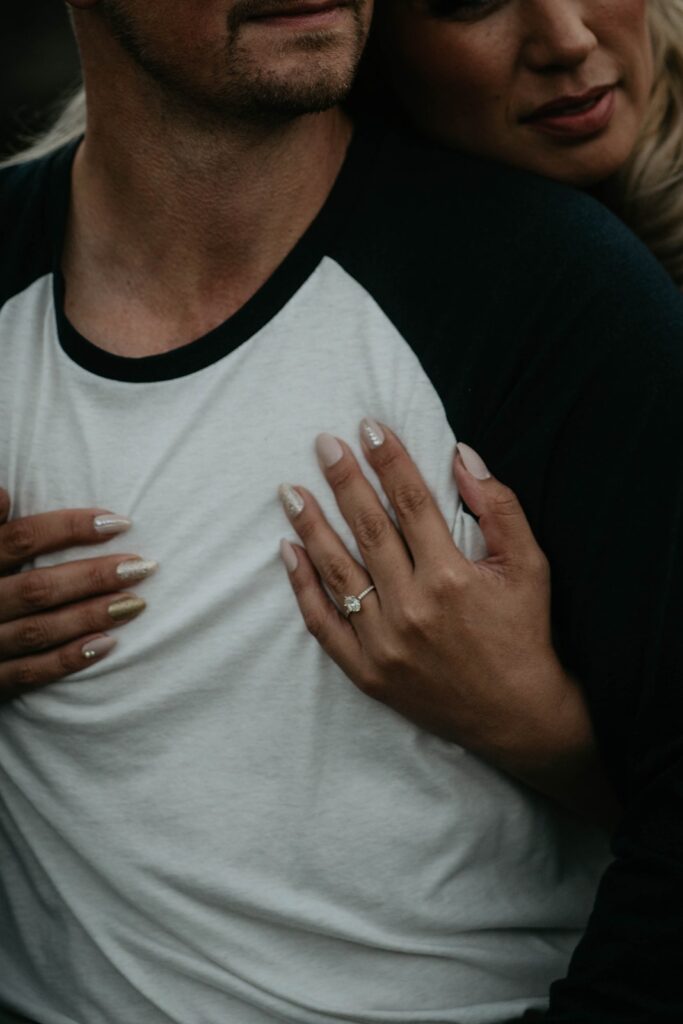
(213, 825)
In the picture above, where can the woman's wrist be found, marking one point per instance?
(551, 746)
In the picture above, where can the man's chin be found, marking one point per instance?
(305, 73)
(281, 94)
(302, 101)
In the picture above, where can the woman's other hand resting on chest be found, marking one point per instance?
(462, 648)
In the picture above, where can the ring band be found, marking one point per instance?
(352, 603)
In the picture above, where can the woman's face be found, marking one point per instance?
(559, 87)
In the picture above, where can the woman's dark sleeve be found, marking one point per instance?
(591, 437)
(619, 608)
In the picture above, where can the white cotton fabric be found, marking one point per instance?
(213, 826)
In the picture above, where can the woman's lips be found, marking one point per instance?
(575, 117)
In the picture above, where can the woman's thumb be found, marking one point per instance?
(501, 518)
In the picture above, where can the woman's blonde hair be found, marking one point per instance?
(69, 126)
(647, 192)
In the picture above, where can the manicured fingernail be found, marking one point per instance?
(328, 448)
(288, 556)
(97, 647)
(110, 523)
(473, 462)
(292, 502)
(126, 608)
(136, 569)
(371, 432)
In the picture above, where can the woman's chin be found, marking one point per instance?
(580, 166)
(581, 163)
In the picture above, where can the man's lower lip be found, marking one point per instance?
(580, 124)
(306, 19)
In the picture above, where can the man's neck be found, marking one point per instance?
(173, 228)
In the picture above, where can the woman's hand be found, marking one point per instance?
(461, 648)
(52, 620)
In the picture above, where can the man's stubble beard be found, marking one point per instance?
(241, 90)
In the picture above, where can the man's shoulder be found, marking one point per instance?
(33, 198)
(22, 195)
(447, 238)
(466, 205)
(505, 283)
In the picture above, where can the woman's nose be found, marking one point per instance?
(558, 34)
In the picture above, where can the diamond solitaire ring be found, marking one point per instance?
(352, 603)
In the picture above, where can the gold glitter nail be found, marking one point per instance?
(292, 501)
(126, 608)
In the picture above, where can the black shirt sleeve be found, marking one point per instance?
(611, 519)
(590, 433)
(556, 344)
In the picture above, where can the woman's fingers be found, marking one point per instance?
(42, 649)
(27, 674)
(38, 633)
(4, 505)
(322, 619)
(379, 542)
(421, 521)
(42, 589)
(340, 573)
(22, 540)
(51, 621)
(507, 533)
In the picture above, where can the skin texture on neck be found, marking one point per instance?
(180, 213)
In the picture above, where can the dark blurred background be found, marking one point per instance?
(38, 66)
